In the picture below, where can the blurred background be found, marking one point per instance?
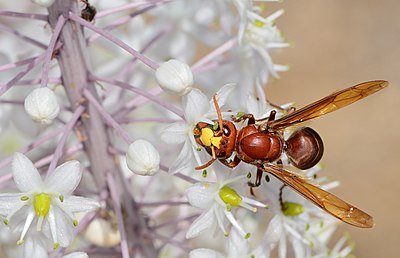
(337, 44)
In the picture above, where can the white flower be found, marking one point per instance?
(217, 200)
(42, 105)
(236, 247)
(76, 255)
(175, 77)
(197, 108)
(48, 202)
(44, 3)
(142, 158)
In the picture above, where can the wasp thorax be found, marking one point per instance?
(304, 148)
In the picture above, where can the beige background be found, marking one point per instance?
(338, 44)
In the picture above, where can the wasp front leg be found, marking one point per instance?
(250, 119)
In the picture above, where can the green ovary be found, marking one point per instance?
(41, 203)
(229, 196)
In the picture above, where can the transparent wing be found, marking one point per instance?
(329, 104)
(323, 199)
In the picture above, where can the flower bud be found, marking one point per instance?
(44, 3)
(142, 158)
(175, 77)
(101, 233)
(42, 105)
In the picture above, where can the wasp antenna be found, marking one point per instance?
(218, 113)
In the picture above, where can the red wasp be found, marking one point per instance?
(261, 143)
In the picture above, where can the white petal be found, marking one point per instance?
(76, 255)
(184, 161)
(238, 246)
(44, 3)
(26, 176)
(175, 133)
(273, 233)
(201, 195)
(65, 178)
(195, 105)
(223, 94)
(34, 248)
(204, 252)
(200, 224)
(80, 204)
(64, 226)
(10, 203)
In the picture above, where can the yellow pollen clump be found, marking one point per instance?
(208, 139)
(41, 203)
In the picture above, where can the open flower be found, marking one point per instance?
(218, 200)
(48, 202)
(197, 108)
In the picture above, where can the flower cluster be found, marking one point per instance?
(131, 99)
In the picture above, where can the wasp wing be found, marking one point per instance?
(329, 104)
(323, 199)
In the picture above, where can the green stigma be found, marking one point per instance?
(41, 203)
(56, 246)
(75, 222)
(292, 209)
(204, 174)
(229, 196)
(24, 198)
(61, 197)
(239, 114)
(259, 23)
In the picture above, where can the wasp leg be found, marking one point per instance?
(249, 117)
(231, 164)
(257, 183)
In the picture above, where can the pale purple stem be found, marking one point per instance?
(130, 120)
(144, 93)
(107, 118)
(47, 159)
(127, 71)
(117, 208)
(126, 7)
(4, 88)
(176, 221)
(36, 16)
(12, 102)
(213, 54)
(121, 21)
(36, 82)
(67, 130)
(23, 37)
(49, 52)
(171, 241)
(39, 141)
(135, 102)
(169, 203)
(17, 64)
(210, 66)
(147, 61)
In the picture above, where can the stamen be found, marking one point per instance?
(28, 222)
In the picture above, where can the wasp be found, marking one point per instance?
(261, 143)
